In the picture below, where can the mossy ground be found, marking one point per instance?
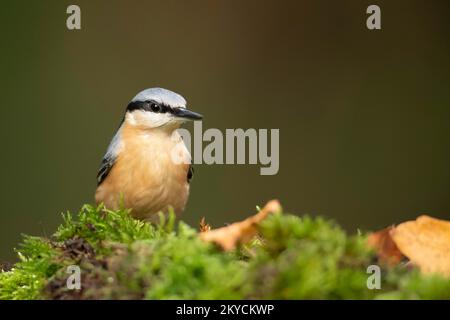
(122, 258)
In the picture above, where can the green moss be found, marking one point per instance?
(122, 258)
(97, 225)
(38, 262)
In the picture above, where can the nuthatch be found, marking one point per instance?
(138, 171)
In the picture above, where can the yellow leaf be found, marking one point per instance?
(426, 242)
(240, 232)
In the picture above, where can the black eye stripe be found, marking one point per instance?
(149, 105)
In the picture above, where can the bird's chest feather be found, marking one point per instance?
(153, 157)
(148, 174)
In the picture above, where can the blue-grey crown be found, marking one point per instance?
(161, 96)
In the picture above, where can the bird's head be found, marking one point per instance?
(158, 108)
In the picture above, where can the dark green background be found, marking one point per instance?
(363, 115)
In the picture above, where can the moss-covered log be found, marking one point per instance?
(122, 258)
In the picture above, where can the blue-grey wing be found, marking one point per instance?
(109, 159)
(105, 168)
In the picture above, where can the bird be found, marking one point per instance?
(138, 171)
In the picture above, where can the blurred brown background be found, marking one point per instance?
(363, 115)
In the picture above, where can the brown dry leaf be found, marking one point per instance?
(240, 232)
(204, 226)
(426, 242)
(385, 246)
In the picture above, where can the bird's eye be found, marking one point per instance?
(155, 107)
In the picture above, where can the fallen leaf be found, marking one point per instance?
(385, 247)
(240, 232)
(204, 226)
(426, 242)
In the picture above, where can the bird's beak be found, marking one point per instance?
(186, 114)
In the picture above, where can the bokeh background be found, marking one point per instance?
(363, 115)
